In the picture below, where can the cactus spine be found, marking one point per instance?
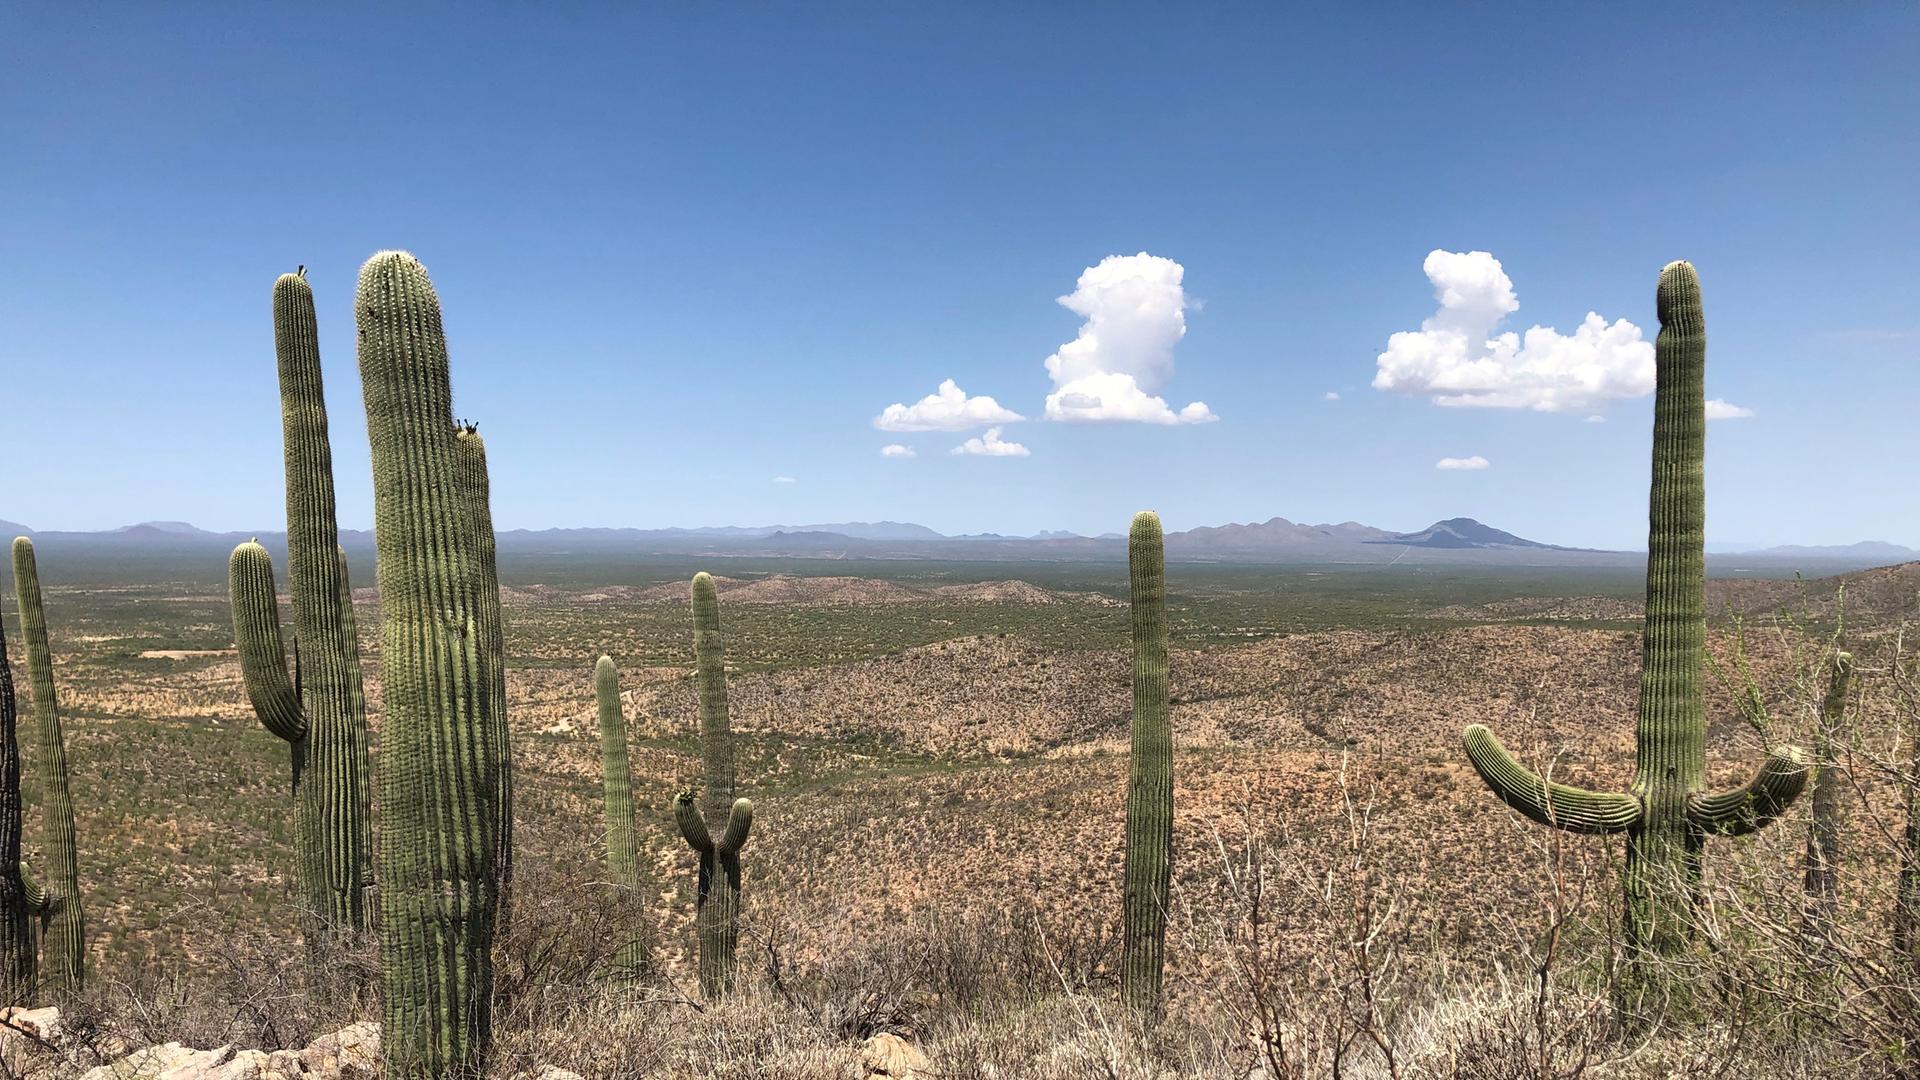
(18, 954)
(65, 943)
(616, 786)
(1823, 834)
(437, 770)
(717, 901)
(1666, 814)
(1150, 783)
(320, 709)
(475, 495)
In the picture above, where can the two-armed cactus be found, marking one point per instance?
(18, 953)
(440, 755)
(320, 708)
(64, 943)
(1150, 782)
(717, 901)
(1667, 813)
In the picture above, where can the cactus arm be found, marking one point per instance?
(256, 633)
(739, 823)
(693, 828)
(36, 896)
(1562, 806)
(1754, 804)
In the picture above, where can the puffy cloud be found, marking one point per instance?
(1462, 463)
(1331, 395)
(1455, 357)
(946, 409)
(785, 480)
(1135, 310)
(991, 445)
(897, 450)
(1726, 410)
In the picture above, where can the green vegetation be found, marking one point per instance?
(319, 708)
(474, 492)
(19, 956)
(64, 941)
(616, 784)
(1150, 783)
(1667, 813)
(717, 899)
(438, 775)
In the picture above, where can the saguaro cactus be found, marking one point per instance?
(320, 708)
(475, 494)
(717, 901)
(18, 955)
(1823, 834)
(64, 947)
(616, 786)
(437, 769)
(1150, 782)
(1666, 814)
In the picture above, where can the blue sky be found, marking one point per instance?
(686, 250)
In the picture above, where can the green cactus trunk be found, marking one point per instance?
(1666, 814)
(18, 952)
(616, 786)
(717, 899)
(1150, 784)
(64, 948)
(1822, 863)
(475, 494)
(320, 709)
(437, 771)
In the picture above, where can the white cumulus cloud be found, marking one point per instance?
(991, 444)
(1726, 410)
(1456, 358)
(946, 409)
(897, 450)
(1474, 462)
(1135, 310)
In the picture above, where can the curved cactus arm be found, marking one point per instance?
(686, 814)
(1754, 804)
(256, 633)
(1560, 805)
(35, 895)
(739, 823)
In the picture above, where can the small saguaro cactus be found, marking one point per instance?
(717, 901)
(616, 786)
(320, 708)
(438, 771)
(1823, 833)
(18, 955)
(1150, 781)
(1666, 813)
(64, 946)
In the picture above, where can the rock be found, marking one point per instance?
(352, 1053)
(889, 1055)
(168, 1061)
(41, 1024)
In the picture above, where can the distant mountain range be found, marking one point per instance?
(1276, 540)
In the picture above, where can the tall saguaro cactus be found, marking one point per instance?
(717, 901)
(320, 709)
(18, 955)
(64, 947)
(1150, 782)
(1667, 812)
(475, 495)
(438, 884)
(616, 786)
